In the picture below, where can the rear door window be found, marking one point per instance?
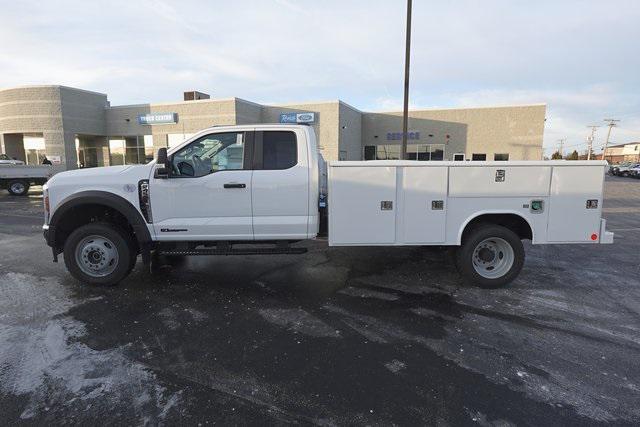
(275, 150)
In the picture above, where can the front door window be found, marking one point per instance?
(211, 153)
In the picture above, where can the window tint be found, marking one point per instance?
(479, 156)
(279, 150)
(503, 156)
(211, 153)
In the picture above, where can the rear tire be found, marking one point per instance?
(491, 256)
(18, 187)
(99, 254)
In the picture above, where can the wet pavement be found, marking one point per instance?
(335, 336)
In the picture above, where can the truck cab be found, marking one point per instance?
(240, 183)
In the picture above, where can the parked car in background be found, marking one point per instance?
(626, 170)
(6, 160)
(635, 172)
(623, 168)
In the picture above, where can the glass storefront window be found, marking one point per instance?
(116, 152)
(148, 148)
(33, 149)
(423, 152)
(130, 150)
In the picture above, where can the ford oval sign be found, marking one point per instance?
(297, 117)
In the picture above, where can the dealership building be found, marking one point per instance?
(79, 128)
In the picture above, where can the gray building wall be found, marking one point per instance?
(517, 130)
(61, 114)
(326, 124)
(350, 132)
(56, 112)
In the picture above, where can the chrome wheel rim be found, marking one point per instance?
(17, 187)
(493, 258)
(96, 256)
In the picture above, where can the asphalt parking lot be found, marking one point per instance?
(335, 336)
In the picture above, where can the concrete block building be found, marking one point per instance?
(79, 128)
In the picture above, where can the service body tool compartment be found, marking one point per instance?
(495, 180)
(575, 204)
(362, 205)
(422, 204)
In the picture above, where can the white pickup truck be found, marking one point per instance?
(17, 178)
(259, 189)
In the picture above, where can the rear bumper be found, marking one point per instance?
(606, 237)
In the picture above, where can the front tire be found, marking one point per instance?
(491, 256)
(99, 254)
(18, 187)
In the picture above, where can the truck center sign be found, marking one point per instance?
(297, 117)
(158, 118)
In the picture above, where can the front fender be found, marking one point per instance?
(94, 197)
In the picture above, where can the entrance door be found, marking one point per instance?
(208, 193)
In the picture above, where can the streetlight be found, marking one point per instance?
(405, 113)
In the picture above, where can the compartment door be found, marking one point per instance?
(423, 205)
(362, 205)
(569, 218)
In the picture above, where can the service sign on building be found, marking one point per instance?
(158, 118)
(297, 117)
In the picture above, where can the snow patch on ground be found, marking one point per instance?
(42, 359)
(395, 366)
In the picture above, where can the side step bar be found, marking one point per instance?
(235, 251)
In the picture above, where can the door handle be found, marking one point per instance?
(235, 185)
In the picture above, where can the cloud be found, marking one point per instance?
(578, 57)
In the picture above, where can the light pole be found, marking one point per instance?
(405, 112)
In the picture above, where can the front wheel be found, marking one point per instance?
(99, 254)
(491, 256)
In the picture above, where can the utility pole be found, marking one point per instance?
(560, 145)
(590, 140)
(405, 112)
(611, 123)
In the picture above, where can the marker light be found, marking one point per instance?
(594, 236)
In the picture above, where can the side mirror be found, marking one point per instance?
(162, 164)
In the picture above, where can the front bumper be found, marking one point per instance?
(49, 233)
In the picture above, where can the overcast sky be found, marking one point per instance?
(582, 58)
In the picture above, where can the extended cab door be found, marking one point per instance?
(208, 193)
(280, 185)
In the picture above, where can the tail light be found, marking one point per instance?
(145, 200)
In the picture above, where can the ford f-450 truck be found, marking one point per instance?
(259, 189)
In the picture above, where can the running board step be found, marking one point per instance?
(235, 251)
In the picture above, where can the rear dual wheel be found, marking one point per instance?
(491, 256)
(99, 254)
